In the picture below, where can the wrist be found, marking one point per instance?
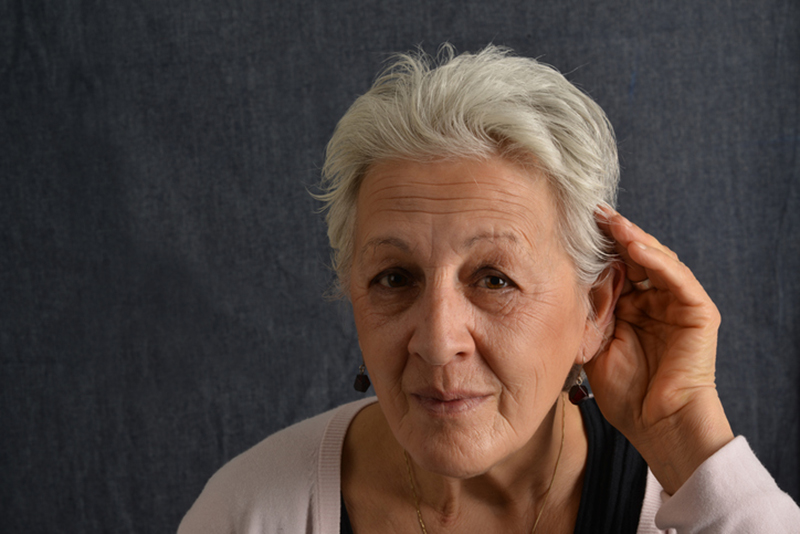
(679, 444)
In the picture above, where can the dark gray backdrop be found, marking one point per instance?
(162, 264)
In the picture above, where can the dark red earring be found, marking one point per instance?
(362, 380)
(578, 393)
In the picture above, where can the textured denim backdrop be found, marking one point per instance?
(162, 264)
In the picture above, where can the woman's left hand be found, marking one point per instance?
(654, 380)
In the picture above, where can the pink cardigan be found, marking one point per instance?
(289, 483)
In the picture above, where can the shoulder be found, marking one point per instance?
(284, 481)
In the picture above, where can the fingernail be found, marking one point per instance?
(640, 245)
(604, 212)
(605, 208)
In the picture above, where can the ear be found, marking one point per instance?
(603, 297)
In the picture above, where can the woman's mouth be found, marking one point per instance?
(448, 403)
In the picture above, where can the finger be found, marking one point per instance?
(614, 226)
(608, 220)
(668, 273)
(623, 232)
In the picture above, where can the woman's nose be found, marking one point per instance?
(442, 326)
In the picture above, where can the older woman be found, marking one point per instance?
(470, 210)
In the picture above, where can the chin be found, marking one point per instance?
(454, 456)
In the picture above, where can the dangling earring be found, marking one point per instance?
(578, 392)
(362, 380)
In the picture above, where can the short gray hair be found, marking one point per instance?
(424, 107)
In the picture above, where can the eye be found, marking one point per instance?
(494, 281)
(393, 280)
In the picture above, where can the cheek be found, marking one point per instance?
(382, 346)
(536, 342)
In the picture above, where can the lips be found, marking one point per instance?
(439, 402)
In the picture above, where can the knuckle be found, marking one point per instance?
(710, 314)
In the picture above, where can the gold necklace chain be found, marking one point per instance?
(546, 495)
(414, 492)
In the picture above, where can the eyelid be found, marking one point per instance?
(377, 280)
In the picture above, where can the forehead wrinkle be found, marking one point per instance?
(384, 180)
(491, 192)
(454, 211)
(493, 185)
(379, 185)
(400, 203)
(515, 235)
(429, 198)
(387, 192)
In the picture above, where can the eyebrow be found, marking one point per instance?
(385, 241)
(490, 236)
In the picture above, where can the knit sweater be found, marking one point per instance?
(290, 483)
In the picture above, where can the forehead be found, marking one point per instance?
(472, 197)
(493, 178)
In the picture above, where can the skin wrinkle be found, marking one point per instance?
(509, 201)
(516, 343)
(505, 219)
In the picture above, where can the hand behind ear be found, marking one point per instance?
(655, 380)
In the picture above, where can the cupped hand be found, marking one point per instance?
(654, 379)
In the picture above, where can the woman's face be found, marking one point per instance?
(468, 311)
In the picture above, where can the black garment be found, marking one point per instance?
(616, 475)
(613, 488)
